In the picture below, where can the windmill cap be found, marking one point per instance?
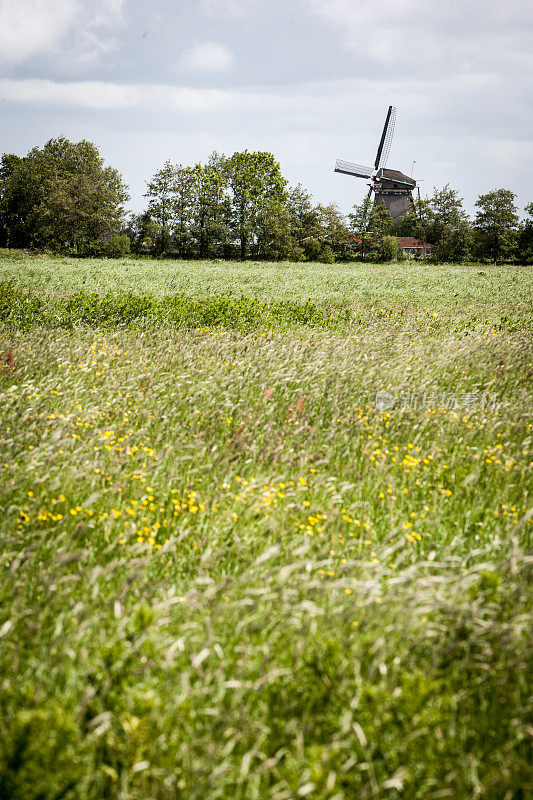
(395, 175)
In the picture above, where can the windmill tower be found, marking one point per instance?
(391, 188)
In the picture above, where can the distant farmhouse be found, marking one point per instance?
(411, 247)
(414, 247)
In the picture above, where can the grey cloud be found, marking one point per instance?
(439, 38)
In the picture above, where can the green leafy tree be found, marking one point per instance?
(143, 232)
(408, 225)
(381, 228)
(496, 224)
(334, 233)
(73, 215)
(171, 194)
(424, 219)
(327, 255)
(380, 221)
(359, 221)
(454, 244)
(211, 207)
(448, 228)
(161, 205)
(313, 248)
(387, 248)
(255, 180)
(117, 246)
(10, 219)
(274, 239)
(525, 237)
(304, 221)
(182, 210)
(62, 197)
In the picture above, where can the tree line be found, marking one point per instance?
(63, 198)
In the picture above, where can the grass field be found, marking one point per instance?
(228, 573)
(393, 283)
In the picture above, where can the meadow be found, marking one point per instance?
(230, 571)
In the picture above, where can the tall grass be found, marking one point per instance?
(228, 574)
(416, 284)
(22, 307)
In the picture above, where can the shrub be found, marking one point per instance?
(312, 249)
(387, 249)
(327, 256)
(117, 246)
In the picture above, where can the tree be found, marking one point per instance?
(255, 180)
(373, 225)
(496, 224)
(210, 220)
(182, 210)
(424, 217)
(448, 228)
(274, 239)
(525, 237)
(387, 248)
(9, 219)
(329, 237)
(380, 221)
(334, 233)
(381, 228)
(303, 216)
(144, 233)
(409, 225)
(77, 213)
(21, 192)
(161, 205)
(359, 220)
(313, 248)
(63, 198)
(117, 246)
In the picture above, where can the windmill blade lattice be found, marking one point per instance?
(348, 168)
(388, 140)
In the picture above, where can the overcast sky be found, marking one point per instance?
(309, 80)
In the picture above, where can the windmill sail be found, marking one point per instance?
(347, 168)
(386, 139)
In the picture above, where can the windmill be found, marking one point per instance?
(391, 188)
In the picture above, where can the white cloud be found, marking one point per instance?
(207, 57)
(75, 94)
(107, 96)
(308, 100)
(30, 28)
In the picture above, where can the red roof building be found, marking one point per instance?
(414, 247)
